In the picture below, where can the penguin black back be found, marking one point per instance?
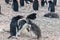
(15, 5)
(7, 1)
(14, 25)
(51, 7)
(30, 1)
(21, 2)
(34, 28)
(42, 3)
(55, 2)
(35, 5)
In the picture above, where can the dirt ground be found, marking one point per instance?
(50, 27)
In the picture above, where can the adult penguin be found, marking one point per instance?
(29, 1)
(21, 2)
(34, 28)
(0, 9)
(42, 3)
(51, 7)
(55, 2)
(31, 16)
(14, 25)
(35, 5)
(15, 5)
(7, 1)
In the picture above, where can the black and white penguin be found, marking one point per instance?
(51, 7)
(21, 2)
(15, 6)
(55, 2)
(35, 5)
(7, 1)
(34, 28)
(14, 25)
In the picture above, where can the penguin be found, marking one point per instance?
(42, 3)
(35, 5)
(7, 1)
(55, 2)
(51, 7)
(15, 6)
(21, 3)
(33, 27)
(14, 25)
(31, 1)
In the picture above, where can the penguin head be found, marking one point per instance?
(31, 16)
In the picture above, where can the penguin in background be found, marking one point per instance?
(7, 1)
(45, 2)
(26, 1)
(21, 3)
(15, 6)
(51, 15)
(51, 7)
(29, 1)
(31, 16)
(0, 9)
(35, 5)
(55, 2)
(42, 3)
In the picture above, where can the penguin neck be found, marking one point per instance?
(29, 21)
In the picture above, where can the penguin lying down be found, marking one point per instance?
(51, 15)
(18, 24)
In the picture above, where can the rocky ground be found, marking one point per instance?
(50, 27)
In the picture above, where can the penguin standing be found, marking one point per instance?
(15, 5)
(21, 2)
(34, 28)
(29, 1)
(55, 2)
(45, 2)
(14, 25)
(26, 1)
(7, 1)
(51, 7)
(0, 9)
(35, 5)
(42, 3)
